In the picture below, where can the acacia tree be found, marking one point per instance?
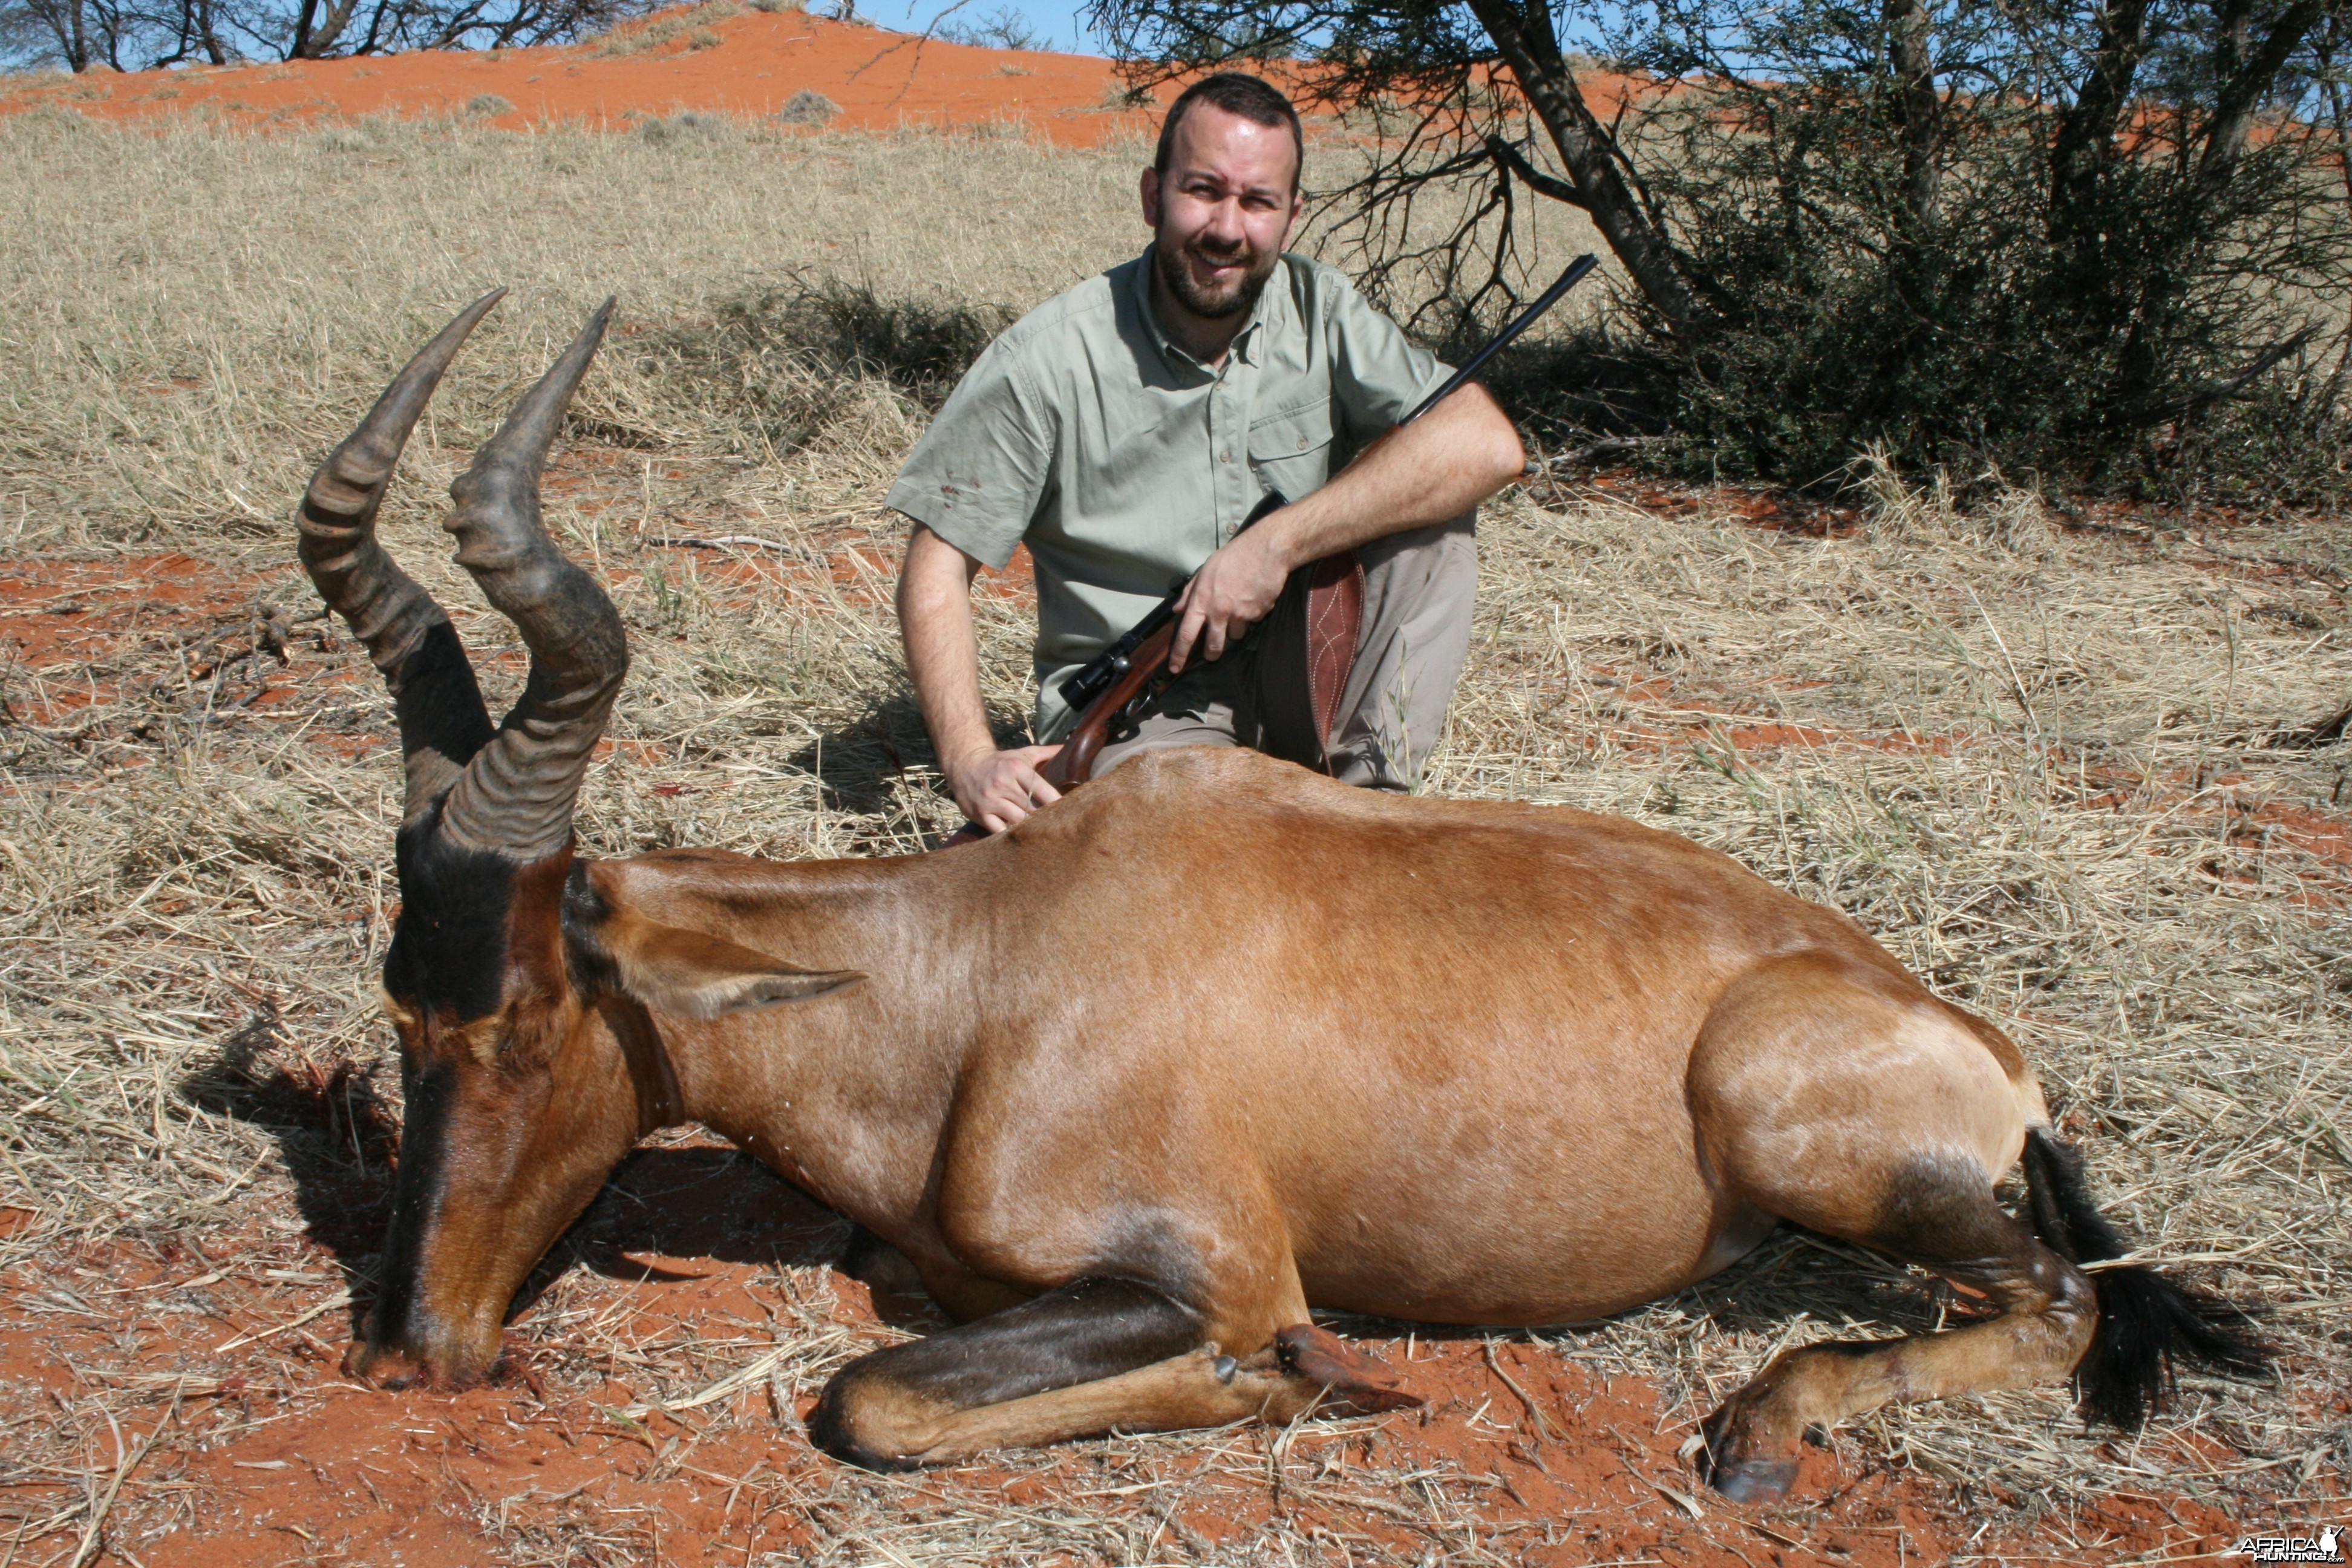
(2051, 232)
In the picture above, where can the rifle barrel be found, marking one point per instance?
(1502, 340)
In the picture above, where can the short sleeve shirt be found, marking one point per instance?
(1123, 462)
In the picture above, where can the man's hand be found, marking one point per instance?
(1000, 789)
(1442, 465)
(996, 789)
(1234, 590)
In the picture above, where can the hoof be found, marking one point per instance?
(866, 1459)
(1746, 1475)
(381, 1367)
(1754, 1481)
(1361, 1379)
(831, 1435)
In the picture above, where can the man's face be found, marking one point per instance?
(1223, 210)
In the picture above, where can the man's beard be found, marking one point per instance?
(1239, 297)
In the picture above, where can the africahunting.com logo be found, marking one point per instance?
(2322, 1548)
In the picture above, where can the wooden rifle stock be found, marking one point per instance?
(1074, 763)
(1134, 669)
(1129, 672)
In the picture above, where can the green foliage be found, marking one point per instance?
(2157, 327)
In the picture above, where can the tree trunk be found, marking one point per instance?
(1585, 152)
(75, 34)
(2087, 132)
(2247, 78)
(208, 31)
(330, 27)
(1921, 107)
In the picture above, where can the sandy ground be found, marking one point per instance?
(1522, 1456)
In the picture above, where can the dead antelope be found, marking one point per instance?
(1209, 1044)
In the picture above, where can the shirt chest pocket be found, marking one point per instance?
(1290, 448)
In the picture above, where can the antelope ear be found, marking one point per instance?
(698, 976)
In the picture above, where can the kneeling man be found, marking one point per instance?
(1125, 430)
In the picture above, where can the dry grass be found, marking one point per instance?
(2035, 761)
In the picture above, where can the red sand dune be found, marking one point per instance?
(879, 79)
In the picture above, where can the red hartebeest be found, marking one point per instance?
(1136, 1085)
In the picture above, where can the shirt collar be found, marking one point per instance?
(1244, 346)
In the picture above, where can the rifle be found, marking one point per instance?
(1126, 676)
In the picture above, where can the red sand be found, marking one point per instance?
(274, 1458)
(879, 79)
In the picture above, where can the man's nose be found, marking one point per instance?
(1224, 225)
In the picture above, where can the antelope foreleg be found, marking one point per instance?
(1198, 1388)
(1093, 1356)
(889, 1410)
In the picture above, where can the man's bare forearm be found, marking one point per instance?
(942, 650)
(1438, 467)
(995, 789)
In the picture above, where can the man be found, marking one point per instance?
(1126, 428)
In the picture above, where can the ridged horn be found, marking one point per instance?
(408, 636)
(516, 796)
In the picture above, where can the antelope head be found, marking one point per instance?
(517, 1101)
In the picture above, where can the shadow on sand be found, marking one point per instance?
(338, 1133)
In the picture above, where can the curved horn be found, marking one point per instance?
(515, 797)
(408, 636)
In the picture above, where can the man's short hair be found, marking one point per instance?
(1235, 92)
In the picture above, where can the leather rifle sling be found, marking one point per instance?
(1335, 620)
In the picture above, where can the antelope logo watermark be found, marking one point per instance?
(2325, 1547)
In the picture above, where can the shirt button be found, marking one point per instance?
(1224, 457)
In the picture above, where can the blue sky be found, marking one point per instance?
(1058, 21)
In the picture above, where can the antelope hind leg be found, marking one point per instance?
(2046, 1312)
(1830, 1096)
(1092, 1356)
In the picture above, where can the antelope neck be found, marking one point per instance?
(846, 1094)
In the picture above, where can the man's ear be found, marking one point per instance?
(698, 975)
(1149, 191)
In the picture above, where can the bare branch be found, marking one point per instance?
(1510, 158)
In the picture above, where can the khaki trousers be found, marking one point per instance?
(1418, 589)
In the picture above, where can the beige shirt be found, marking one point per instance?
(1123, 462)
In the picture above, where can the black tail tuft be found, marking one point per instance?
(2147, 1323)
(2065, 1217)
